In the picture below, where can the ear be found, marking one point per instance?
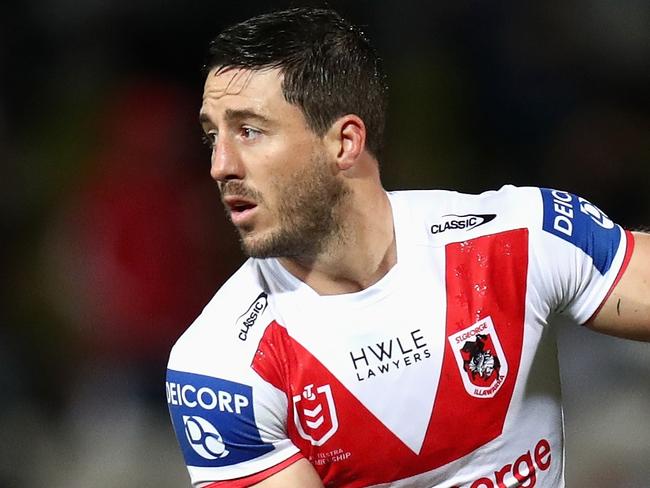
(346, 140)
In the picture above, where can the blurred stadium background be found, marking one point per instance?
(113, 236)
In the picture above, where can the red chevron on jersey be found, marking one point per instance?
(336, 432)
(486, 277)
(340, 458)
(443, 373)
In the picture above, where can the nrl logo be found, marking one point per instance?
(480, 359)
(314, 413)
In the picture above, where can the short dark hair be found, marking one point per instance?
(329, 67)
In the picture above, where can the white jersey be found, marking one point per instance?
(442, 374)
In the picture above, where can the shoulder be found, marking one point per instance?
(448, 200)
(229, 421)
(446, 216)
(553, 217)
(219, 336)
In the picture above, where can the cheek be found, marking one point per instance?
(279, 170)
(289, 152)
(276, 174)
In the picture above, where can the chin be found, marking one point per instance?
(269, 245)
(255, 246)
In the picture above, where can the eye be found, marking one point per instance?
(250, 134)
(210, 139)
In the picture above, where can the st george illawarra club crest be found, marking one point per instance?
(314, 413)
(480, 358)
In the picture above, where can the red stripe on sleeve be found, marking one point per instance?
(257, 477)
(626, 260)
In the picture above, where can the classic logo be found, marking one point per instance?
(482, 364)
(204, 438)
(314, 413)
(461, 222)
(246, 320)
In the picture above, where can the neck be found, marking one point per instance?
(365, 252)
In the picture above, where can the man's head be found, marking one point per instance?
(329, 67)
(293, 107)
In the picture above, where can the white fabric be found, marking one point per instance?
(405, 311)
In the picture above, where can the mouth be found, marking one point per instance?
(240, 209)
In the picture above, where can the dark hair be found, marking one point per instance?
(329, 67)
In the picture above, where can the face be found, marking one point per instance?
(276, 178)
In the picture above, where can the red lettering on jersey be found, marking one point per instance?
(527, 478)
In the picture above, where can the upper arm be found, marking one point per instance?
(626, 312)
(295, 472)
(300, 474)
(229, 422)
(578, 255)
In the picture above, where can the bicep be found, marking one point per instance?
(626, 312)
(299, 474)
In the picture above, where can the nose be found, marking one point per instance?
(226, 163)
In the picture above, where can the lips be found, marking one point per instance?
(240, 208)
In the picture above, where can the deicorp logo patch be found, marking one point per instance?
(581, 223)
(213, 419)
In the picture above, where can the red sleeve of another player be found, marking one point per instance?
(257, 477)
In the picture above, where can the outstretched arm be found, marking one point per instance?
(626, 313)
(300, 474)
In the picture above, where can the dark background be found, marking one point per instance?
(113, 237)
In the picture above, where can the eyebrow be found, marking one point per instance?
(233, 115)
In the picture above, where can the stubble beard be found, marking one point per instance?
(308, 215)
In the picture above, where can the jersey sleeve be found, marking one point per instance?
(578, 255)
(229, 422)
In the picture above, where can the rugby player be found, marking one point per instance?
(377, 338)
